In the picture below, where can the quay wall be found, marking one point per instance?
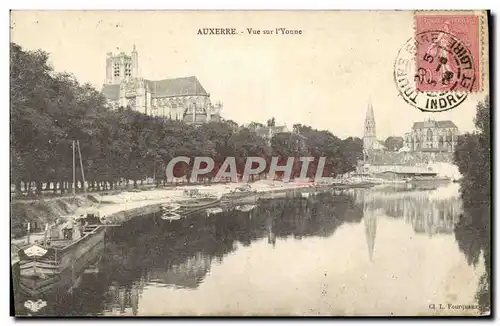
(39, 212)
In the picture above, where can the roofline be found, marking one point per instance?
(153, 95)
(158, 80)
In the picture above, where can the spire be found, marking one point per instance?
(369, 113)
(134, 49)
(370, 129)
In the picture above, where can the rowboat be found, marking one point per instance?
(197, 204)
(174, 211)
(214, 211)
(245, 208)
(169, 212)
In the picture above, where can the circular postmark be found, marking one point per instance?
(434, 71)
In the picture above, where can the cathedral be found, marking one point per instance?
(181, 98)
(428, 141)
(432, 136)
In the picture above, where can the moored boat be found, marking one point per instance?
(174, 211)
(214, 211)
(170, 216)
(199, 203)
(245, 208)
(426, 181)
(40, 262)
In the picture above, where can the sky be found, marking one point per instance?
(324, 77)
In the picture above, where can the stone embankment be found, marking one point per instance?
(120, 207)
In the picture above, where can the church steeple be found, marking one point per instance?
(370, 133)
(370, 128)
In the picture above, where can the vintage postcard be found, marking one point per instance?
(250, 163)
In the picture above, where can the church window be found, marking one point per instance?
(128, 70)
(117, 70)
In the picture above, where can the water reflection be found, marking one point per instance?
(429, 212)
(306, 250)
(123, 299)
(473, 235)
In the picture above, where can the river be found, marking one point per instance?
(380, 251)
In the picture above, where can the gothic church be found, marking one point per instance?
(181, 98)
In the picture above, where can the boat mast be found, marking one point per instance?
(154, 171)
(81, 166)
(28, 231)
(74, 172)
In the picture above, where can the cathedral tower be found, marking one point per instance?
(370, 134)
(121, 66)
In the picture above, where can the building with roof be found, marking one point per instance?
(432, 136)
(268, 132)
(428, 142)
(181, 98)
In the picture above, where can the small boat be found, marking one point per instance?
(245, 208)
(170, 216)
(169, 211)
(214, 211)
(426, 181)
(177, 210)
(199, 203)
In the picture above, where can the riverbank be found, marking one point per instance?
(120, 207)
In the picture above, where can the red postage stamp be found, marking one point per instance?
(448, 52)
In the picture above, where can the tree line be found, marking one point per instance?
(473, 231)
(50, 109)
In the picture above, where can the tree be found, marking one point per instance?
(255, 125)
(473, 233)
(219, 133)
(393, 143)
(352, 150)
(233, 125)
(51, 109)
(286, 144)
(246, 143)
